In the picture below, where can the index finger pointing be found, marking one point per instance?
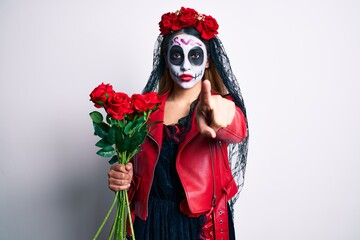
(205, 95)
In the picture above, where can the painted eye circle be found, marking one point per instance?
(176, 55)
(196, 56)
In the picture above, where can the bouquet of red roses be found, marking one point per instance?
(121, 134)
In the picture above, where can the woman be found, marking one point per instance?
(182, 182)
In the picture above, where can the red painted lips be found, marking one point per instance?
(186, 77)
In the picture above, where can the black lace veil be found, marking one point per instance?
(237, 152)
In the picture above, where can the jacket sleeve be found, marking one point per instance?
(236, 131)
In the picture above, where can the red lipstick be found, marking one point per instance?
(186, 77)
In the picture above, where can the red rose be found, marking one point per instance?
(101, 94)
(119, 105)
(153, 99)
(187, 17)
(139, 102)
(144, 102)
(207, 27)
(167, 22)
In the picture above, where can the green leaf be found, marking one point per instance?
(135, 151)
(99, 130)
(103, 143)
(121, 123)
(113, 160)
(137, 139)
(111, 137)
(106, 152)
(96, 117)
(104, 126)
(127, 128)
(140, 120)
(123, 145)
(108, 119)
(119, 136)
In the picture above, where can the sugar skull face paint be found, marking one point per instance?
(187, 60)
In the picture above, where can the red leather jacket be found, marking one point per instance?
(202, 164)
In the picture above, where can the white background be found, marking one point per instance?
(298, 66)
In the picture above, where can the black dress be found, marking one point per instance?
(165, 220)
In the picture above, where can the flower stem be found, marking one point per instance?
(123, 216)
(118, 218)
(113, 228)
(129, 216)
(106, 217)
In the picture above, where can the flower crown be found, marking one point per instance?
(188, 17)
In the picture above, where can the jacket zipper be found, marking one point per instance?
(179, 151)
(153, 173)
(213, 203)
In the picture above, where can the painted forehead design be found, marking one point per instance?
(180, 41)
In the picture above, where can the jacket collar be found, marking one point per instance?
(157, 117)
(192, 132)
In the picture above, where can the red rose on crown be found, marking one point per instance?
(168, 23)
(207, 27)
(188, 17)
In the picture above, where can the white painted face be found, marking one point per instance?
(187, 60)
